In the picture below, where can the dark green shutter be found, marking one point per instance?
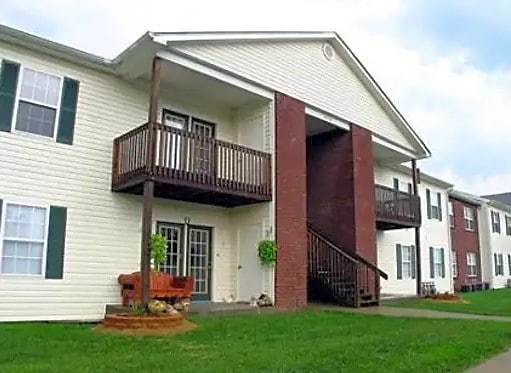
(428, 202)
(8, 84)
(56, 242)
(67, 114)
(1, 204)
(439, 199)
(410, 190)
(414, 262)
(396, 184)
(443, 262)
(431, 262)
(496, 265)
(399, 262)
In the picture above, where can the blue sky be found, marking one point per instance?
(445, 64)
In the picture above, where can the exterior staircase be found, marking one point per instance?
(336, 275)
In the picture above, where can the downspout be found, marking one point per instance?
(415, 190)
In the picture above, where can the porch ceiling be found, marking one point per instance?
(204, 87)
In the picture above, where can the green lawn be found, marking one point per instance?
(491, 302)
(312, 341)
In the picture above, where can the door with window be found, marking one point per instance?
(189, 254)
(203, 148)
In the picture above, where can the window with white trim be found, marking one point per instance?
(435, 208)
(499, 267)
(471, 264)
(437, 262)
(495, 222)
(454, 262)
(38, 102)
(406, 261)
(468, 218)
(23, 239)
(451, 214)
(508, 225)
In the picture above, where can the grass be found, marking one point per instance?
(491, 302)
(312, 341)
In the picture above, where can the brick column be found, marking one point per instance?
(290, 203)
(341, 191)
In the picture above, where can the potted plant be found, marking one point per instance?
(158, 247)
(267, 250)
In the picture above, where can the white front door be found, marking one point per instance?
(250, 270)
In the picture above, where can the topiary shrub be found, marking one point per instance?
(267, 250)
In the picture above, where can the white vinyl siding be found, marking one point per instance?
(103, 228)
(299, 69)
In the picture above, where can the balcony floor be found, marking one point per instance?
(192, 193)
(389, 224)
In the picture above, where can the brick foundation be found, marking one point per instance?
(290, 203)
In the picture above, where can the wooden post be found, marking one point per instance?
(148, 198)
(415, 190)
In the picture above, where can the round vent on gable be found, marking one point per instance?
(328, 51)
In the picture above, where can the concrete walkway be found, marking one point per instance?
(498, 364)
(422, 313)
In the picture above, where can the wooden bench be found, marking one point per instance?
(162, 286)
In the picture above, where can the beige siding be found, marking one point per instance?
(103, 228)
(299, 69)
(434, 233)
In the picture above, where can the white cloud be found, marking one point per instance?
(458, 109)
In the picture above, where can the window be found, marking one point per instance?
(38, 102)
(471, 264)
(434, 205)
(406, 261)
(454, 259)
(451, 214)
(23, 239)
(495, 221)
(435, 209)
(508, 225)
(468, 218)
(499, 264)
(438, 265)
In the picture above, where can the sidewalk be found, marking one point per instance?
(420, 313)
(498, 364)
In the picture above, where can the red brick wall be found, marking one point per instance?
(290, 203)
(340, 189)
(464, 241)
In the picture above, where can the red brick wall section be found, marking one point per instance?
(290, 203)
(464, 241)
(340, 189)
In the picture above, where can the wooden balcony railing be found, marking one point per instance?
(174, 156)
(395, 209)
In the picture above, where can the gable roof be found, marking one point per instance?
(504, 198)
(467, 197)
(169, 38)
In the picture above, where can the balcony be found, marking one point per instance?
(189, 167)
(396, 210)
